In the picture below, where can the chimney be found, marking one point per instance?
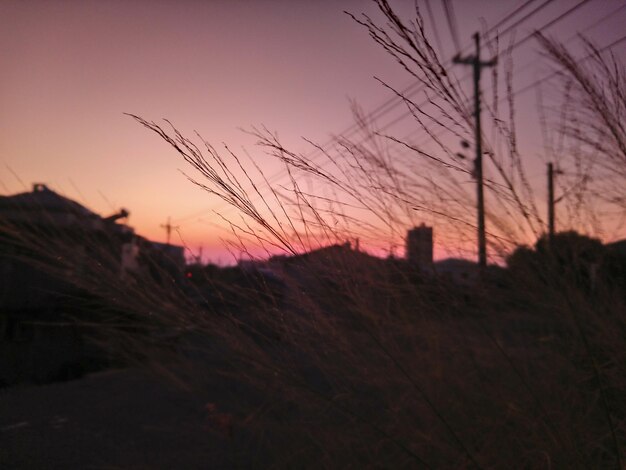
(39, 187)
(123, 213)
(419, 246)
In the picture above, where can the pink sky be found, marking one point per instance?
(70, 69)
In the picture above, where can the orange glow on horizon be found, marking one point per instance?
(73, 69)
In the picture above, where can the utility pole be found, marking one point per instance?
(550, 203)
(168, 229)
(477, 64)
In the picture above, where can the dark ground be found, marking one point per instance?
(115, 419)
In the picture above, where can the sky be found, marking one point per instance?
(72, 69)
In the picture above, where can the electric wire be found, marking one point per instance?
(400, 100)
(383, 108)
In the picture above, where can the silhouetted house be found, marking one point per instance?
(334, 259)
(461, 271)
(52, 250)
(325, 273)
(174, 253)
(419, 247)
(163, 263)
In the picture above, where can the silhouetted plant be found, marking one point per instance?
(332, 357)
(590, 122)
(386, 368)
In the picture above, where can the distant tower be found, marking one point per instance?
(419, 246)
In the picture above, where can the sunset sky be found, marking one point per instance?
(71, 69)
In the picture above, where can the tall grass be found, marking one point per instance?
(382, 365)
(357, 361)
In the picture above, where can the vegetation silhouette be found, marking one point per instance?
(389, 367)
(331, 357)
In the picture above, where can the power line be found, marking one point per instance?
(434, 23)
(513, 13)
(551, 75)
(515, 46)
(511, 49)
(535, 83)
(396, 100)
(532, 85)
(557, 72)
(553, 21)
(451, 18)
(520, 21)
(388, 105)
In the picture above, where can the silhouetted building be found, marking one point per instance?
(51, 250)
(419, 246)
(175, 253)
(164, 262)
(461, 271)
